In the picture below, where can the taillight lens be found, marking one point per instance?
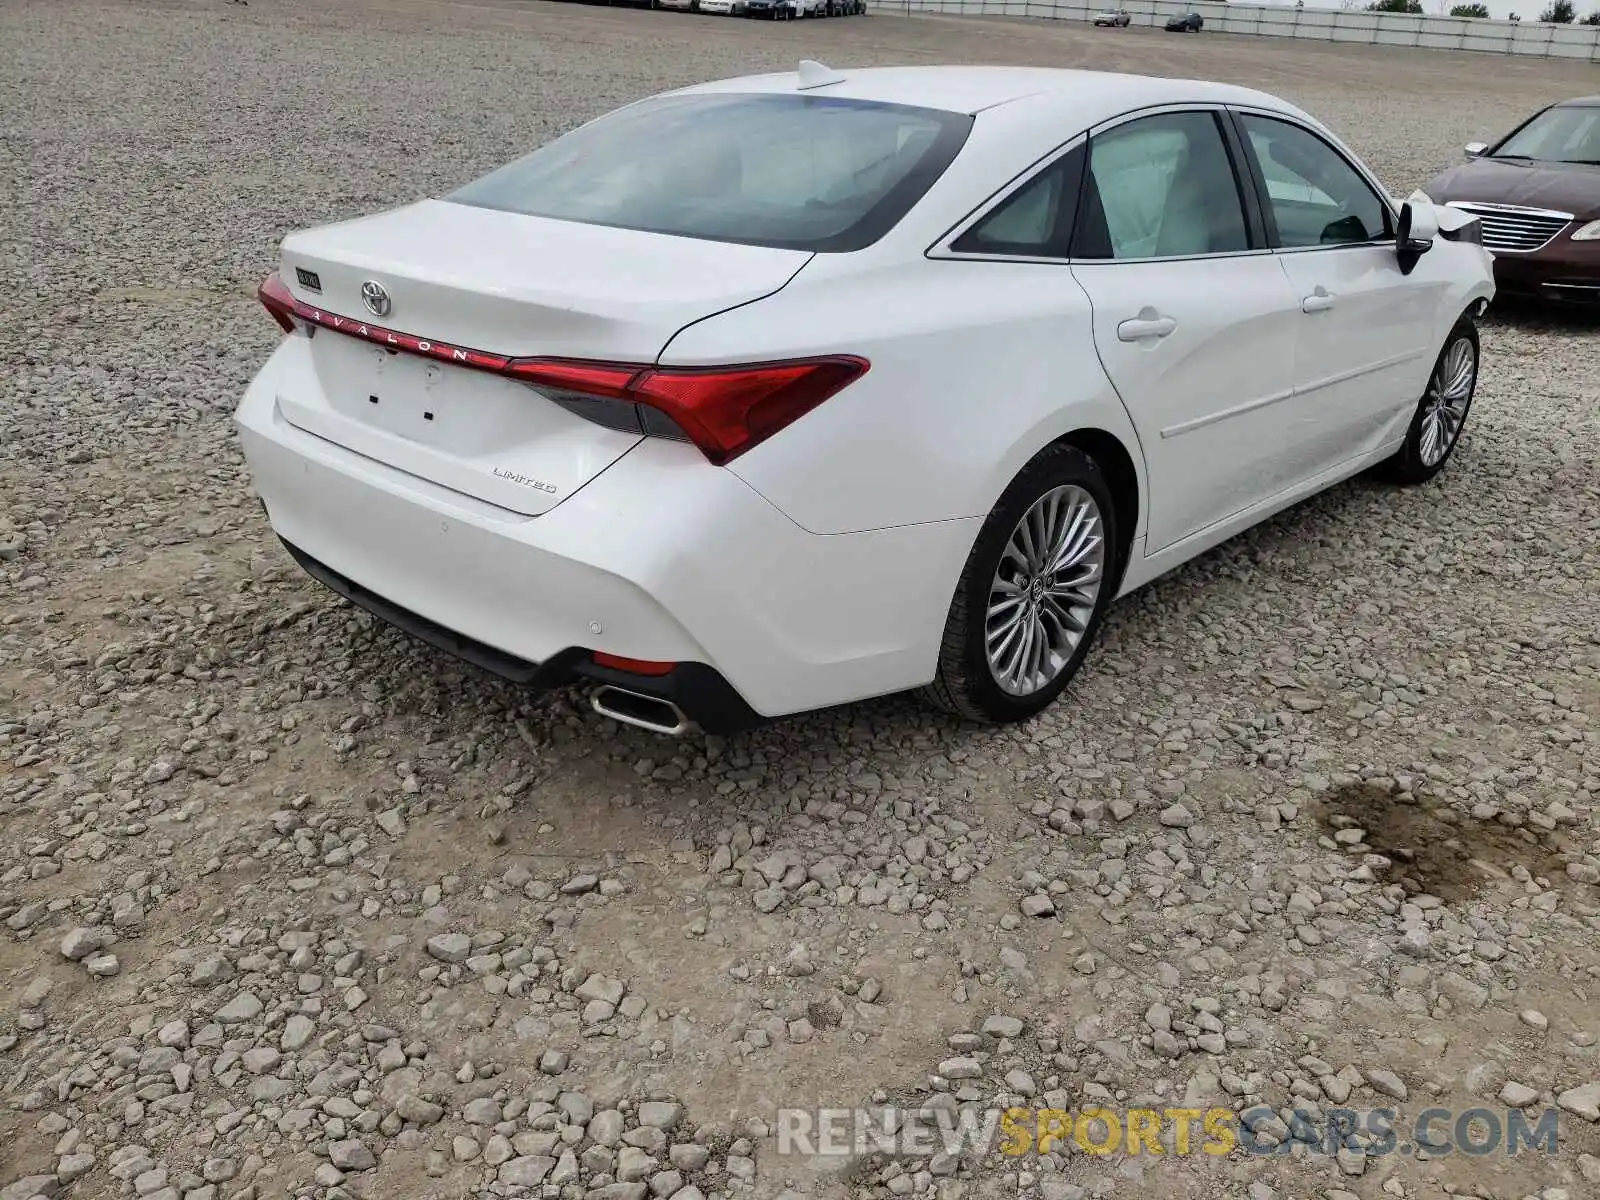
(275, 298)
(724, 411)
(594, 381)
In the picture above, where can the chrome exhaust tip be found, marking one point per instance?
(635, 708)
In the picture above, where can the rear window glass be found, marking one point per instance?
(794, 172)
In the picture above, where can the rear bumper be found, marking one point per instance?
(661, 557)
(699, 691)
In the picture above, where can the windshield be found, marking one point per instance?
(792, 172)
(1563, 134)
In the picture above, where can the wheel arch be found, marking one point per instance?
(1122, 477)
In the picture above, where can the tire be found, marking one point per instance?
(1442, 412)
(966, 683)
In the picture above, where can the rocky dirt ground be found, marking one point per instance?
(290, 906)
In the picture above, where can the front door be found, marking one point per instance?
(1194, 321)
(1363, 350)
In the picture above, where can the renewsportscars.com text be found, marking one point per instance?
(1015, 1132)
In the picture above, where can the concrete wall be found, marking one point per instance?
(1320, 24)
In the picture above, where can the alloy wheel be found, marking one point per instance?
(1044, 590)
(1444, 405)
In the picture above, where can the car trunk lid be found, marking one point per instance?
(414, 313)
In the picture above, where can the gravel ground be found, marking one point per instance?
(293, 907)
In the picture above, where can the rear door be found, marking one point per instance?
(1194, 320)
(409, 306)
(1363, 346)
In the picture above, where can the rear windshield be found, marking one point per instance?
(793, 172)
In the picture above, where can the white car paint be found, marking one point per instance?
(817, 567)
(442, 256)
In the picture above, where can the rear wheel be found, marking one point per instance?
(1031, 597)
(1442, 412)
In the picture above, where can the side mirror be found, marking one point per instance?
(1419, 225)
(1475, 149)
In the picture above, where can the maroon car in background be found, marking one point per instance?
(1536, 193)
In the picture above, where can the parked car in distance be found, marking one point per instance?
(723, 8)
(1117, 18)
(678, 5)
(1536, 193)
(1187, 23)
(774, 393)
(773, 10)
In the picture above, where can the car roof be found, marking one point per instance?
(1093, 95)
(1579, 102)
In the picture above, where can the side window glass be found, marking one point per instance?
(1035, 221)
(1317, 198)
(1161, 187)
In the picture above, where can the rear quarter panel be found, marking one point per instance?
(976, 367)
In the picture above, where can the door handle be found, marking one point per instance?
(1146, 325)
(1320, 300)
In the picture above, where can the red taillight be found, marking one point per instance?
(275, 298)
(722, 410)
(727, 412)
(634, 666)
(604, 381)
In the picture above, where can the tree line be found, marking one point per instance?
(1560, 12)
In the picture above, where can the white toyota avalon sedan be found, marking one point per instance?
(779, 392)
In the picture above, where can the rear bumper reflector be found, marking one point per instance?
(634, 666)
